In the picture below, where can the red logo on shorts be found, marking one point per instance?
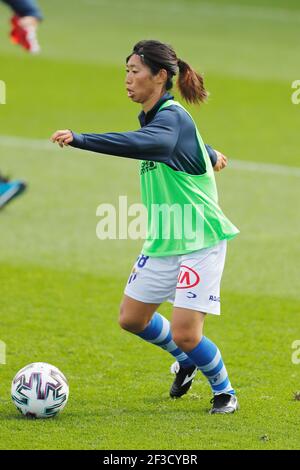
(187, 278)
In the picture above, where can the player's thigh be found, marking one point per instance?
(135, 315)
(187, 327)
(199, 281)
(153, 279)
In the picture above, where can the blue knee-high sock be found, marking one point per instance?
(208, 358)
(158, 332)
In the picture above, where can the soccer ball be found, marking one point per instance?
(40, 390)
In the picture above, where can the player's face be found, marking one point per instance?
(140, 83)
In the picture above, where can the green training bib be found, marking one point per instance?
(183, 210)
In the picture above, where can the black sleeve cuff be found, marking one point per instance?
(78, 141)
(212, 154)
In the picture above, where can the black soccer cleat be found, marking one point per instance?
(224, 403)
(183, 381)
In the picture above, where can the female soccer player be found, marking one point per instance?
(183, 255)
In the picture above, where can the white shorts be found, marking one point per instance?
(188, 281)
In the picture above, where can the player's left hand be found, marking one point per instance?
(221, 162)
(63, 138)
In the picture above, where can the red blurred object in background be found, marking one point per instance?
(24, 36)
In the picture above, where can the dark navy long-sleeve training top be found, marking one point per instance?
(25, 8)
(167, 137)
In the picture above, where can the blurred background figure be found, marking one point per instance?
(24, 24)
(9, 190)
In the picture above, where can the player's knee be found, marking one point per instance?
(128, 322)
(124, 322)
(186, 340)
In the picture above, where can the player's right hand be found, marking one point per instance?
(64, 137)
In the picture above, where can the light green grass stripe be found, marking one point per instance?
(212, 9)
(271, 168)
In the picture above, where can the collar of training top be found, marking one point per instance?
(145, 118)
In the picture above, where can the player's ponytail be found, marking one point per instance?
(190, 84)
(157, 55)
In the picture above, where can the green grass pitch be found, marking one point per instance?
(60, 287)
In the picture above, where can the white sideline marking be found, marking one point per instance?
(21, 142)
(264, 167)
(271, 168)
